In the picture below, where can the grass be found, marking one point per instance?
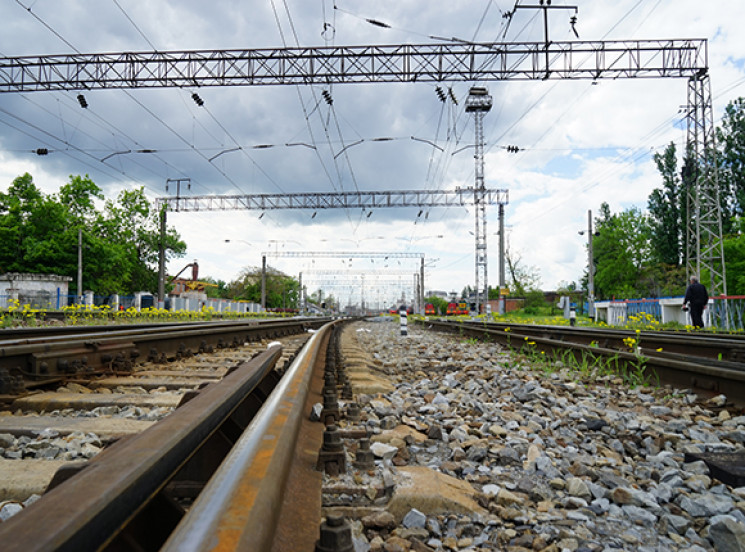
(586, 366)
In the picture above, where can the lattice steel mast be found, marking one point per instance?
(704, 239)
(479, 103)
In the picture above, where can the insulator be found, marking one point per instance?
(197, 100)
(327, 96)
(452, 96)
(42, 151)
(81, 100)
(440, 93)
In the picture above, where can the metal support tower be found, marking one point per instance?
(704, 243)
(479, 103)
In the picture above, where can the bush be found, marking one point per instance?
(535, 300)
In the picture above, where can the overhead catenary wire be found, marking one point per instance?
(68, 43)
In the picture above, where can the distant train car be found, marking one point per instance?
(452, 309)
(463, 308)
(429, 308)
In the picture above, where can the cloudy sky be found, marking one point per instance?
(581, 143)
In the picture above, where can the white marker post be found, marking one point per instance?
(404, 323)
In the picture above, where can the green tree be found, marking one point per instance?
(217, 288)
(521, 277)
(39, 234)
(734, 254)
(665, 222)
(621, 248)
(282, 291)
(134, 223)
(440, 304)
(535, 302)
(731, 169)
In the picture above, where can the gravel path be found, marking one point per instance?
(555, 462)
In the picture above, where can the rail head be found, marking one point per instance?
(238, 508)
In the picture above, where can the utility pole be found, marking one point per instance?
(421, 284)
(162, 259)
(502, 298)
(80, 267)
(263, 282)
(590, 269)
(479, 103)
(300, 302)
(162, 244)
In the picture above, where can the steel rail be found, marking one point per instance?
(727, 347)
(702, 374)
(239, 508)
(121, 495)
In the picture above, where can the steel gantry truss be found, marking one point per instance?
(362, 64)
(452, 61)
(331, 200)
(478, 196)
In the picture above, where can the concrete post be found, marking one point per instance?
(590, 269)
(263, 282)
(80, 266)
(162, 260)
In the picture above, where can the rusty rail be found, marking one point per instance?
(239, 508)
(675, 368)
(37, 361)
(127, 497)
(716, 346)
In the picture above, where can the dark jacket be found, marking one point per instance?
(696, 294)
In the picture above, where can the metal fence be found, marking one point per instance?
(723, 312)
(728, 312)
(638, 307)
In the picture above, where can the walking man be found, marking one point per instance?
(696, 298)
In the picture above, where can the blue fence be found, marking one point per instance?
(723, 312)
(728, 312)
(638, 307)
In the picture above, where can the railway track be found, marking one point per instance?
(132, 493)
(50, 356)
(710, 363)
(421, 446)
